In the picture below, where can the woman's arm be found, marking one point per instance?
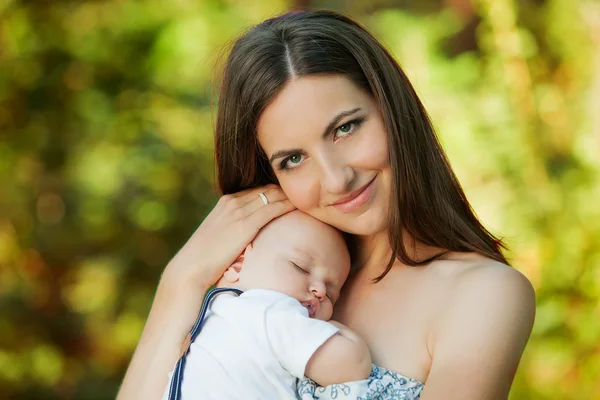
(174, 311)
(222, 236)
(481, 336)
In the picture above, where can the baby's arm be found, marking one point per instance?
(326, 352)
(344, 357)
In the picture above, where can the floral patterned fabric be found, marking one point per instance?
(380, 385)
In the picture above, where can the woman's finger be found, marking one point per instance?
(254, 190)
(271, 196)
(273, 193)
(228, 229)
(267, 213)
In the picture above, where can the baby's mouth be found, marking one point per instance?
(312, 306)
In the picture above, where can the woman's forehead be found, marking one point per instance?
(308, 104)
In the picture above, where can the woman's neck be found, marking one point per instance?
(374, 252)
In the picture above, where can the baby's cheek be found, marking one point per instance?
(327, 310)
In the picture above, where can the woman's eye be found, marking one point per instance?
(295, 159)
(291, 162)
(348, 128)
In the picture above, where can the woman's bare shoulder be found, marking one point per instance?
(470, 277)
(492, 279)
(487, 314)
(466, 276)
(472, 269)
(482, 292)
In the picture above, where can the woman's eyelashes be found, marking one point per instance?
(346, 129)
(290, 162)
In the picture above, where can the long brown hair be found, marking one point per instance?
(427, 201)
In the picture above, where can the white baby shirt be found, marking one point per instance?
(251, 347)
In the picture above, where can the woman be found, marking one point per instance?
(314, 108)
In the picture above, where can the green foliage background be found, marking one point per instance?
(106, 165)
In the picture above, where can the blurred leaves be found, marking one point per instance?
(106, 165)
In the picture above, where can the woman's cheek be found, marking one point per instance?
(302, 191)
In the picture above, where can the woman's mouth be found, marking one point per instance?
(356, 198)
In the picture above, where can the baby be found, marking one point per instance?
(256, 345)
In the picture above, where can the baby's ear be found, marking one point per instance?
(232, 274)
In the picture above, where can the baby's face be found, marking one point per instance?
(301, 257)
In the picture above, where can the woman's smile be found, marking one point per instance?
(356, 198)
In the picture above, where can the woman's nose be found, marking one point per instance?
(336, 176)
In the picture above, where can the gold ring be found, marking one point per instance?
(264, 198)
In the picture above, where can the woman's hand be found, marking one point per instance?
(225, 233)
(220, 239)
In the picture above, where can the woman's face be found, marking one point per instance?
(325, 139)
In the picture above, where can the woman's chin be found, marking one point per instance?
(370, 230)
(363, 225)
(366, 223)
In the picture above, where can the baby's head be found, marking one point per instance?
(297, 255)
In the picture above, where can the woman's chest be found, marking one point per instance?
(394, 320)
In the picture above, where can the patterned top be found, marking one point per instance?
(382, 384)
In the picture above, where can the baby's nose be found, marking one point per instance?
(319, 290)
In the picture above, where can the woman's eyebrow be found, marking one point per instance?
(329, 128)
(283, 153)
(337, 119)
